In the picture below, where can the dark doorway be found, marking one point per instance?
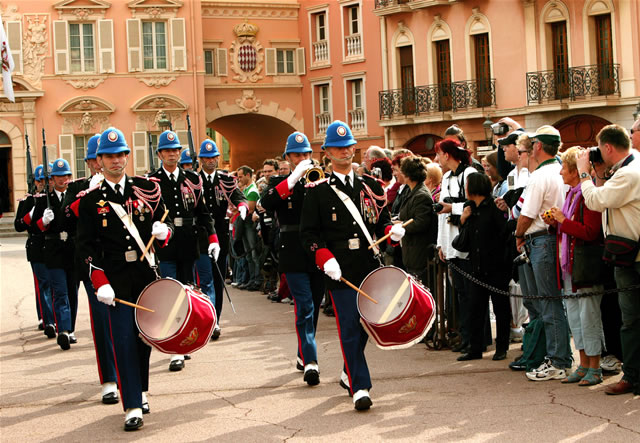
(423, 145)
(580, 130)
(406, 79)
(6, 179)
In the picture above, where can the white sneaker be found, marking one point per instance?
(610, 363)
(286, 300)
(546, 371)
(516, 335)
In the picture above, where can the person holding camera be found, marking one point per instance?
(457, 160)
(619, 201)
(578, 228)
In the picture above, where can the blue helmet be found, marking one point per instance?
(60, 167)
(112, 141)
(208, 148)
(297, 142)
(185, 157)
(92, 147)
(38, 173)
(339, 136)
(168, 140)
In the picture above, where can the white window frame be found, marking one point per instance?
(78, 160)
(212, 52)
(351, 8)
(82, 69)
(154, 46)
(285, 52)
(313, 12)
(346, 7)
(320, 27)
(315, 84)
(348, 80)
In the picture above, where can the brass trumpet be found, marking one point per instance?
(313, 175)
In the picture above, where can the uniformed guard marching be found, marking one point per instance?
(115, 220)
(220, 192)
(339, 217)
(35, 254)
(285, 195)
(99, 313)
(58, 247)
(183, 194)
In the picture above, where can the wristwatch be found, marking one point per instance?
(584, 175)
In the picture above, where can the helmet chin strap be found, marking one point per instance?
(340, 160)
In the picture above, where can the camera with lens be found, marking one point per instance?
(437, 207)
(595, 156)
(377, 173)
(522, 258)
(500, 128)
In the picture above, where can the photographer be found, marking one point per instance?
(457, 160)
(619, 201)
(483, 234)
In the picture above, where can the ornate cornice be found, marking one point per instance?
(75, 10)
(154, 9)
(273, 11)
(85, 83)
(157, 81)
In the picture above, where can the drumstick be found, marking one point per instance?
(166, 212)
(389, 234)
(357, 289)
(133, 305)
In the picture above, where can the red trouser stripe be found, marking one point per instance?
(95, 347)
(344, 358)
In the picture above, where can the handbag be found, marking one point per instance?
(620, 251)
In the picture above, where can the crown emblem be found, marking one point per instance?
(342, 131)
(299, 138)
(245, 29)
(170, 137)
(113, 136)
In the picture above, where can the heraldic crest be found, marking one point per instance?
(246, 58)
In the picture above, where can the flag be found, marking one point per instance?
(7, 64)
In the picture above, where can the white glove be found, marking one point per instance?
(160, 230)
(106, 295)
(47, 216)
(96, 180)
(332, 269)
(298, 172)
(214, 250)
(31, 212)
(243, 212)
(397, 232)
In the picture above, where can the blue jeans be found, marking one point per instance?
(541, 279)
(205, 277)
(43, 292)
(240, 271)
(300, 287)
(630, 330)
(250, 243)
(60, 292)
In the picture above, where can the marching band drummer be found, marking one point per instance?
(116, 219)
(285, 196)
(339, 217)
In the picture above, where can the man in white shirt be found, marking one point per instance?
(544, 191)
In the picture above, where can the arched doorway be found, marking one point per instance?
(580, 130)
(423, 145)
(252, 138)
(6, 174)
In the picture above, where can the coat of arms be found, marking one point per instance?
(246, 59)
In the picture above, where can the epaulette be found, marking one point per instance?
(147, 178)
(380, 182)
(76, 180)
(188, 172)
(26, 196)
(86, 191)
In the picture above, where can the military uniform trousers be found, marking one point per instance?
(218, 277)
(204, 277)
(307, 289)
(353, 338)
(43, 292)
(63, 286)
(99, 314)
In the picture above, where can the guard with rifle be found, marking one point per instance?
(222, 196)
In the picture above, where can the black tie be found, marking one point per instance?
(211, 179)
(61, 197)
(347, 181)
(117, 187)
(172, 178)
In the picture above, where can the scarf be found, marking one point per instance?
(570, 204)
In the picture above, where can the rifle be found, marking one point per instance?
(31, 180)
(45, 168)
(192, 151)
(152, 166)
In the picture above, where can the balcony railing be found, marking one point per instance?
(454, 96)
(324, 120)
(574, 83)
(357, 119)
(320, 52)
(354, 45)
(385, 3)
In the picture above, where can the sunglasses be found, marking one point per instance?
(631, 131)
(523, 152)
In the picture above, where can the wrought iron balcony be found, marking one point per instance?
(575, 83)
(385, 3)
(454, 96)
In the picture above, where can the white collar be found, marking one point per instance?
(58, 193)
(175, 173)
(212, 175)
(121, 183)
(342, 176)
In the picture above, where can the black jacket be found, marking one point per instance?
(420, 234)
(327, 224)
(59, 246)
(22, 222)
(288, 207)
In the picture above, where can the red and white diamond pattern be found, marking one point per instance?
(247, 58)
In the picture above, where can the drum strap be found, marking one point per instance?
(131, 227)
(351, 207)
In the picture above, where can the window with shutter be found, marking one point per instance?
(208, 62)
(80, 144)
(81, 47)
(14, 35)
(105, 44)
(221, 62)
(66, 150)
(178, 45)
(134, 44)
(300, 61)
(270, 61)
(141, 162)
(154, 45)
(61, 48)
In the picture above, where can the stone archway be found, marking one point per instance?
(580, 130)
(423, 145)
(17, 181)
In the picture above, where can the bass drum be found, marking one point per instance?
(405, 310)
(183, 320)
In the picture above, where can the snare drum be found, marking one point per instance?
(183, 320)
(404, 312)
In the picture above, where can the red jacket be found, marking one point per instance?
(585, 231)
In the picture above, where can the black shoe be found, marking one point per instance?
(517, 366)
(176, 365)
(145, 408)
(299, 365)
(133, 424)
(243, 286)
(40, 326)
(469, 356)
(253, 288)
(50, 331)
(460, 347)
(110, 399)
(216, 334)
(311, 377)
(363, 403)
(344, 386)
(499, 355)
(187, 356)
(72, 339)
(63, 341)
